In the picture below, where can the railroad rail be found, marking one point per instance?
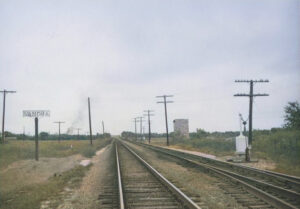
(141, 186)
(278, 190)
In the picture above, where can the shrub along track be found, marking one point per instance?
(247, 184)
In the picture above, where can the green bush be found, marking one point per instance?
(283, 145)
(213, 146)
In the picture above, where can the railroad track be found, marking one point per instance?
(136, 184)
(277, 190)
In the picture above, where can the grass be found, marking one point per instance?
(281, 147)
(218, 147)
(28, 194)
(15, 150)
(30, 197)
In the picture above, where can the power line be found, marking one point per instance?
(59, 122)
(166, 116)
(250, 95)
(3, 115)
(149, 123)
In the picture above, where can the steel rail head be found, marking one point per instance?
(282, 177)
(177, 192)
(121, 197)
(270, 199)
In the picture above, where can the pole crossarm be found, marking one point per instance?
(166, 102)
(242, 95)
(248, 95)
(253, 81)
(261, 95)
(5, 91)
(162, 96)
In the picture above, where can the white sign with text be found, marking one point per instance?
(36, 113)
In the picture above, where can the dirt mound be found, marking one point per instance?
(25, 172)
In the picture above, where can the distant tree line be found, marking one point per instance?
(47, 136)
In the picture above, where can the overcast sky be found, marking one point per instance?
(56, 53)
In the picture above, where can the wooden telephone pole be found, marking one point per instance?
(78, 129)
(149, 123)
(59, 122)
(3, 114)
(103, 127)
(140, 119)
(251, 95)
(135, 121)
(166, 114)
(90, 122)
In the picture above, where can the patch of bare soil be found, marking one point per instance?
(261, 164)
(87, 195)
(191, 181)
(202, 154)
(25, 172)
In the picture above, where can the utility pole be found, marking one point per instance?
(135, 120)
(23, 133)
(149, 123)
(166, 115)
(78, 129)
(90, 122)
(36, 124)
(250, 95)
(141, 125)
(103, 127)
(3, 114)
(59, 122)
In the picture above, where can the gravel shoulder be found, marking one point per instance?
(261, 164)
(86, 196)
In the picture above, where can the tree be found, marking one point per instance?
(292, 115)
(201, 133)
(44, 135)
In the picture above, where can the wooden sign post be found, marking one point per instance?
(36, 114)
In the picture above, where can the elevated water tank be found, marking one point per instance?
(181, 126)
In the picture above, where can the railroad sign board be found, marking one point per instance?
(36, 113)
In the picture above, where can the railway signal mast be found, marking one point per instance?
(166, 115)
(250, 95)
(3, 115)
(244, 123)
(149, 123)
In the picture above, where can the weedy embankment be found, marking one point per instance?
(25, 183)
